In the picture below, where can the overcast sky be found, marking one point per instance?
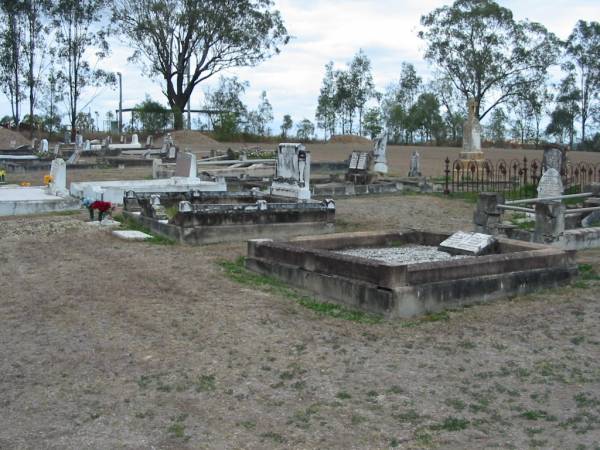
(327, 30)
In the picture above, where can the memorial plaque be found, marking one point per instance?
(550, 185)
(463, 243)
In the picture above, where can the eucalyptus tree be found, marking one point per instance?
(78, 29)
(35, 19)
(583, 47)
(487, 54)
(185, 42)
(11, 55)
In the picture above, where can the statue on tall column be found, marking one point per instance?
(379, 149)
(471, 135)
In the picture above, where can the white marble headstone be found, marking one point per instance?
(550, 184)
(58, 172)
(44, 146)
(134, 139)
(465, 243)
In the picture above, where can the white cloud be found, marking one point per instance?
(333, 30)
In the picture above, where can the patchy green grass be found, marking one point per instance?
(130, 224)
(433, 317)
(275, 437)
(205, 383)
(236, 271)
(451, 424)
(587, 273)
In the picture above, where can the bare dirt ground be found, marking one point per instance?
(106, 344)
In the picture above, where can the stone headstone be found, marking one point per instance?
(287, 162)
(58, 172)
(353, 160)
(463, 243)
(172, 152)
(415, 165)
(44, 146)
(550, 185)
(149, 141)
(78, 140)
(87, 146)
(379, 153)
(67, 137)
(554, 158)
(135, 139)
(186, 165)
(155, 199)
(56, 149)
(34, 143)
(292, 172)
(185, 207)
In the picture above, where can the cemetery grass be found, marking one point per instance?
(112, 344)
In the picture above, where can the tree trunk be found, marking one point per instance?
(177, 117)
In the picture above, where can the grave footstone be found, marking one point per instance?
(465, 243)
(550, 185)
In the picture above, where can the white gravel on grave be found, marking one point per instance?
(406, 254)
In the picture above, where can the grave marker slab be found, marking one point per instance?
(464, 243)
(550, 185)
(186, 165)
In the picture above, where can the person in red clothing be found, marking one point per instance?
(102, 207)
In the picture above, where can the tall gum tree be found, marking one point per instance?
(486, 53)
(583, 46)
(185, 42)
(77, 31)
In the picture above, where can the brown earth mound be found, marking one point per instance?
(192, 140)
(7, 136)
(348, 139)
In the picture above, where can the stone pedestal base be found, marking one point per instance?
(465, 158)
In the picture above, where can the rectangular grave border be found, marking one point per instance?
(407, 290)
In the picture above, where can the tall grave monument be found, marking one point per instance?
(471, 136)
